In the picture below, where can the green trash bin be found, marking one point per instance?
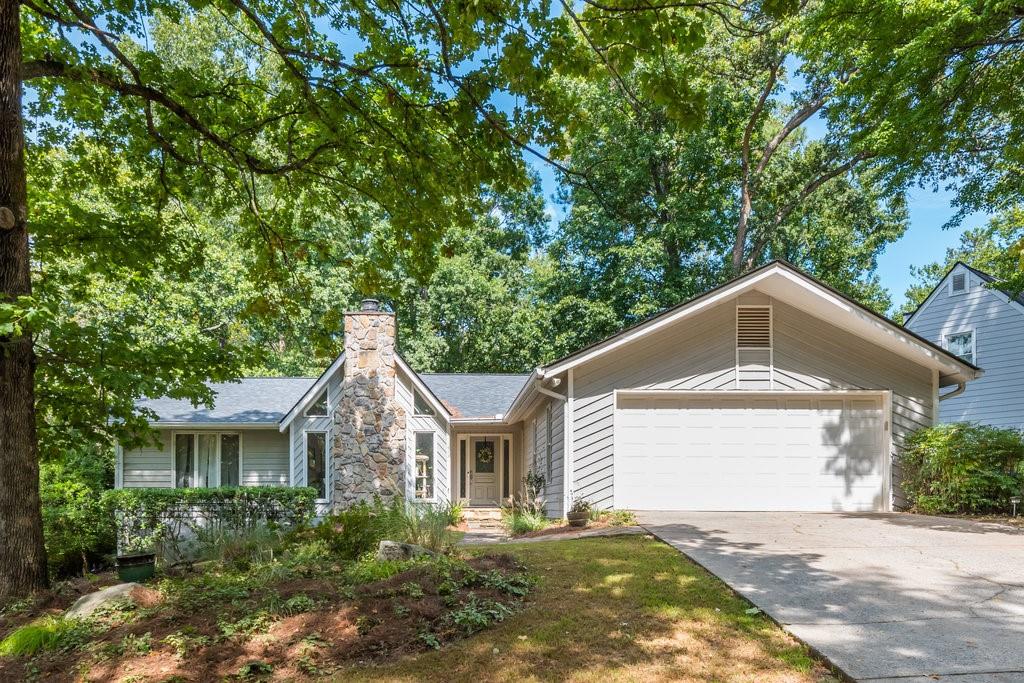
(136, 568)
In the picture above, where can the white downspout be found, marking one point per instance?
(960, 388)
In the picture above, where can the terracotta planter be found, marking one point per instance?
(578, 518)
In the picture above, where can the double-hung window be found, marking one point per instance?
(207, 459)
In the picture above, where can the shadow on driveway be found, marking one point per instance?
(880, 595)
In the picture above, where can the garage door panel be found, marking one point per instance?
(749, 453)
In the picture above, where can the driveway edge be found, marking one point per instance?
(847, 678)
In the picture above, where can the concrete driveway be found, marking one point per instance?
(883, 596)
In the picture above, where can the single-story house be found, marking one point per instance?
(968, 315)
(771, 392)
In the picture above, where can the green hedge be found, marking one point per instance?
(162, 520)
(963, 467)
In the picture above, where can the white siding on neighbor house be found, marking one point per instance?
(700, 354)
(264, 459)
(442, 448)
(997, 398)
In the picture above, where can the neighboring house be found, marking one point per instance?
(771, 392)
(985, 326)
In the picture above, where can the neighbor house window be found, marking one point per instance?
(204, 459)
(420, 405)
(425, 465)
(961, 344)
(318, 408)
(316, 462)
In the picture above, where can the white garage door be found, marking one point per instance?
(764, 452)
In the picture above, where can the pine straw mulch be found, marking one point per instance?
(418, 609)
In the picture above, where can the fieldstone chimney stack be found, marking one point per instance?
(368, 450)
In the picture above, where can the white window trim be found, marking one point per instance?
(433, 469)
(974, 341)
(327, 404)
(327, 459)
(195, 449)
(416, 393)
(549, 446)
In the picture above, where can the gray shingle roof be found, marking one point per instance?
(253, 400)
(266, 400)
(475, 395)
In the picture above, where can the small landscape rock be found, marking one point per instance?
(392, 550)
(87, 604)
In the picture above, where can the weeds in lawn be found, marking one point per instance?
(186, 641)
(475, 614)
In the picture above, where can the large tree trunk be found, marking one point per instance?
(22, 553)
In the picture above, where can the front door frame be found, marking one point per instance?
(467, 438)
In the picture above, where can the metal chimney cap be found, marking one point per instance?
(370, 305)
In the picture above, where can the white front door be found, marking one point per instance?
(757, 452)
(483, 470)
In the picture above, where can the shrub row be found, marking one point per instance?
(963, 468)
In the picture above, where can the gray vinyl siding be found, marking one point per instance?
(150, 466)
(424, 423)
(997, 398)
(537, 439)
(699, 353)
(302, 424)
(264, 460)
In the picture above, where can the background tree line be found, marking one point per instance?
(203, 187)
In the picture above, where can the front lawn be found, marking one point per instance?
(598, 609)
(625, 608)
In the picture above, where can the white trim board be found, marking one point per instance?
(866, 325)
(418, 383)
(311, 393)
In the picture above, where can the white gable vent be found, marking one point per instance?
(959, 283)
(753, 327)
(754, 347)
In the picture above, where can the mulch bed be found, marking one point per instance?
(374, 622)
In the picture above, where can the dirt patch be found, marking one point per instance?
(334, 623)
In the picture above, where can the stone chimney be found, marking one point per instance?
(368, 450)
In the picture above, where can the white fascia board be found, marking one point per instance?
(522, 398)
(423, 388)
(199, 426)
(926, 355)
(659, 323)
(311, 393)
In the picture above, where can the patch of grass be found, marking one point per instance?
(625, 608)
(47, 633)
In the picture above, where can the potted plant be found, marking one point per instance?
(579, 513)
